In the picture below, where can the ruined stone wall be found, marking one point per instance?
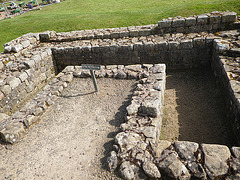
(182, 52)
(29, 63)
(226, 69)
(23, 76)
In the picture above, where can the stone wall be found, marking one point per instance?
(28, 86)
(181, 52)
(225, 64)
(22, 76)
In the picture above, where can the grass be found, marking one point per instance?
(72, 15)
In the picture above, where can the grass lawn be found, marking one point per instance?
(72, 15)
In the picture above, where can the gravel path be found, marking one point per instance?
(73, 138)
(194, 109)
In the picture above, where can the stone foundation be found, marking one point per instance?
(28, 86)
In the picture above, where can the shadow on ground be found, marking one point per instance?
(200, 107)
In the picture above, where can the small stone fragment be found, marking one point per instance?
(112, 161)
(151, 170)
(127, 171)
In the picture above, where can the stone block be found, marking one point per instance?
(158, 68)
(127, 140)
(14, 82)
(29, 120)
(186, 150)
(151, 170)
(160, 147)
(25, 43)
(202, 19)
(215, 158)
(29, 63)
(12, 132)
(229, 17)
(190, 21)
(161, 46)
(23, 76)
(178, 23)
(133, 33)
(186, 44)
(7, 49)
(150, 107)
(215, 19)
(6, 89)
(126, 170)
(199, 42)
(236, 151)
(173, 45)
(164, 24)
(17, 48)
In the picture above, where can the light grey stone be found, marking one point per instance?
(25, 43)
(7, 49)
(132, 108)
(236, 151)
(174, 168)
(186, 150)
(3, 117)
(29, 63)
(160, 147)
(112, 161)
(126, 170)
(150, 107)
(120, 75)
(67, 78)
(151, 170)
(197, 170)
(14, 82)
(17, 48)
(158, 68)
(159, 85)
(235, 165)
(12, 132)
(127, 140)
(215, 158)
(6, 89)
(23, 76)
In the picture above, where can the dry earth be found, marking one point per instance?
(194, 109)
(74, 137)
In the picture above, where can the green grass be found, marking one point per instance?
(72, 15)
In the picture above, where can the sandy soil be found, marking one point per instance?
(194, 109)
(74, 137)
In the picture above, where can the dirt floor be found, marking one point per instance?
(74, 137)
(194, 109)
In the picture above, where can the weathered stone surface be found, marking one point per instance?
(112, 161)
(120, 75)
(14, 82)
(215, 158)
(236, 151)
(150, 107)
(174, 168)
(17, 48)
(158, 68)
(3, 117)
(186, 150)
(12, 132)
(127, 140)
(126, 170)
(151, 170)
(233, 177)
(6, 90)
(197, 170)
(23, 76)
(133, 108)
(235, 165)
(160, 147)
